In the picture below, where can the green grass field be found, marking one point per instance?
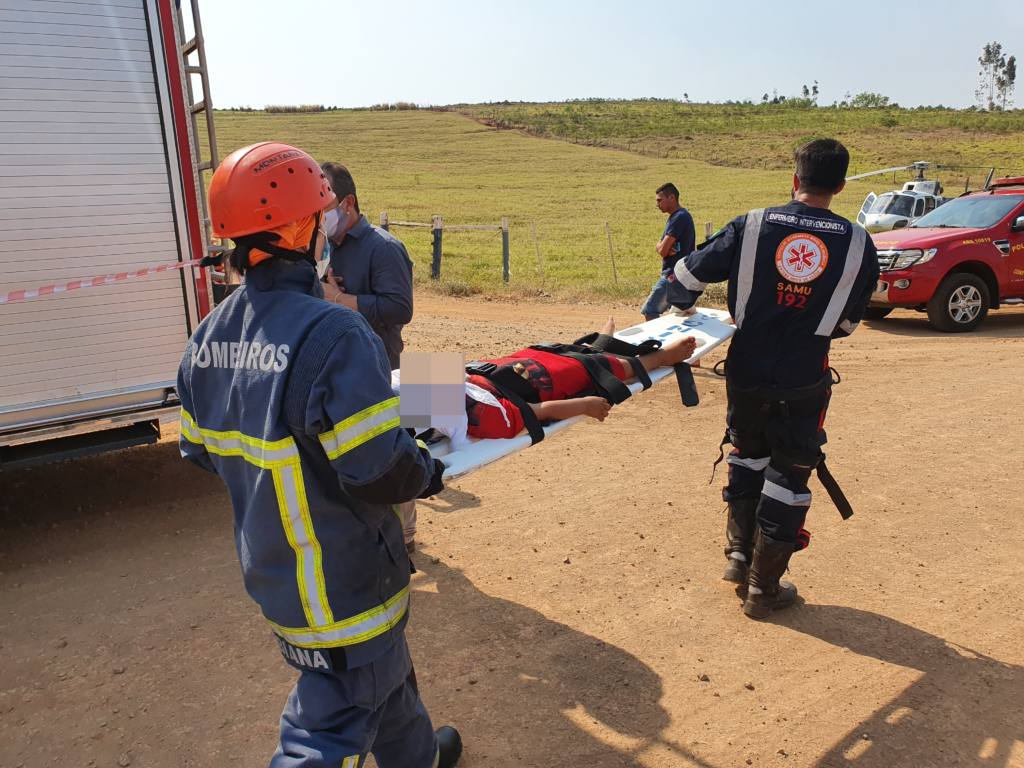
(763, 136)
(413, 164)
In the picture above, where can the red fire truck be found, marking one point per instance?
(99, 175)
(957, 262)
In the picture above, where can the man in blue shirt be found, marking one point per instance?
(677, 240)
(370, 267)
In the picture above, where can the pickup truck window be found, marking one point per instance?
(974, 212)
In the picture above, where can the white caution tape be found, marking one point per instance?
(92, 282)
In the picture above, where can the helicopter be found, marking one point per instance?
(901, 208)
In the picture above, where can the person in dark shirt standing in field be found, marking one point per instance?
(677, 241)
(371, 270)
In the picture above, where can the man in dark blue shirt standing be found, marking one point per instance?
(372, 270)
(677, 241)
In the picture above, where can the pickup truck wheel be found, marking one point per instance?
(960, 304)
(876, 313)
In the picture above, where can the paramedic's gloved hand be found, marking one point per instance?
(436, 482)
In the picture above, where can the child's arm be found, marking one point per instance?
(556, 410)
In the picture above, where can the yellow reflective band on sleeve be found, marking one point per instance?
(358, 629)
(351, 761)
(281, 459)
(188, 429)
(361, 428)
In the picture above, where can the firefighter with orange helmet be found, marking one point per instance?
(288, 399)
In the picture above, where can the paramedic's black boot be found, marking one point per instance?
(449, 746)
(739, 537)
(766, 591)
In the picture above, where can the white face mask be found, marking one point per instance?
(331, 221)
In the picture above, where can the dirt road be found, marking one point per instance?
(568, 610)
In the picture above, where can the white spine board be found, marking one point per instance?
(707, 326)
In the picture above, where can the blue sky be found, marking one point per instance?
(446, 51)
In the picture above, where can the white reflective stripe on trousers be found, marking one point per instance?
(758, 465)
(748, 260)
(786, 496)
(841, 295)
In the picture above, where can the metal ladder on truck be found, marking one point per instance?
(189, 46)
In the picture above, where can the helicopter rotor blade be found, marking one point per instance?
(880, 172)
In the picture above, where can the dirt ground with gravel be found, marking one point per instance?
(568, 610)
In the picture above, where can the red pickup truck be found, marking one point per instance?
(957, 262)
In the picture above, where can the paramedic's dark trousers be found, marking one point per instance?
(776, 446)
(332, 720)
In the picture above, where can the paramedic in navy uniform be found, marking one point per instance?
(676, 241)
(799, 276)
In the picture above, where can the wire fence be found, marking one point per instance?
(552, 255)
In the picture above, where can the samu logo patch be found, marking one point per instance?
(801, 258)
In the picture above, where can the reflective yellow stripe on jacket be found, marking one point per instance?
(361, 428)
(281, 459)
(358, 629)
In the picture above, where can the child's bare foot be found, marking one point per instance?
(679, 350)
(609, 327)
(595, 407)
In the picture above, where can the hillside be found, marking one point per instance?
(413, 164)
(763, 136)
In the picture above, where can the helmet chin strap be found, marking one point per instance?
(266, 242)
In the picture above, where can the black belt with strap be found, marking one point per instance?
(825, 476)
(516, 390)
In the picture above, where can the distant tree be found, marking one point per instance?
(805, 91)
(993, 86)
(868, 100)
(1006, 81)
(814, 92)
(764, 99)
(686, 98)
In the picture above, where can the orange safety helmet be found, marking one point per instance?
(263, 187)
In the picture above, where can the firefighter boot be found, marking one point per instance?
(766, 592)
(739, 536)
(449, 746)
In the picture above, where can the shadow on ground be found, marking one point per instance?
(965, 710)
(1000, 324)
(534, 691)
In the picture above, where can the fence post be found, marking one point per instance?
(611, 252)
(437, 225)
(504, 249)
(536, 247)
(384, 220)
(708, 230)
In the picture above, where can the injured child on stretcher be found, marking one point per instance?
(552, 382)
